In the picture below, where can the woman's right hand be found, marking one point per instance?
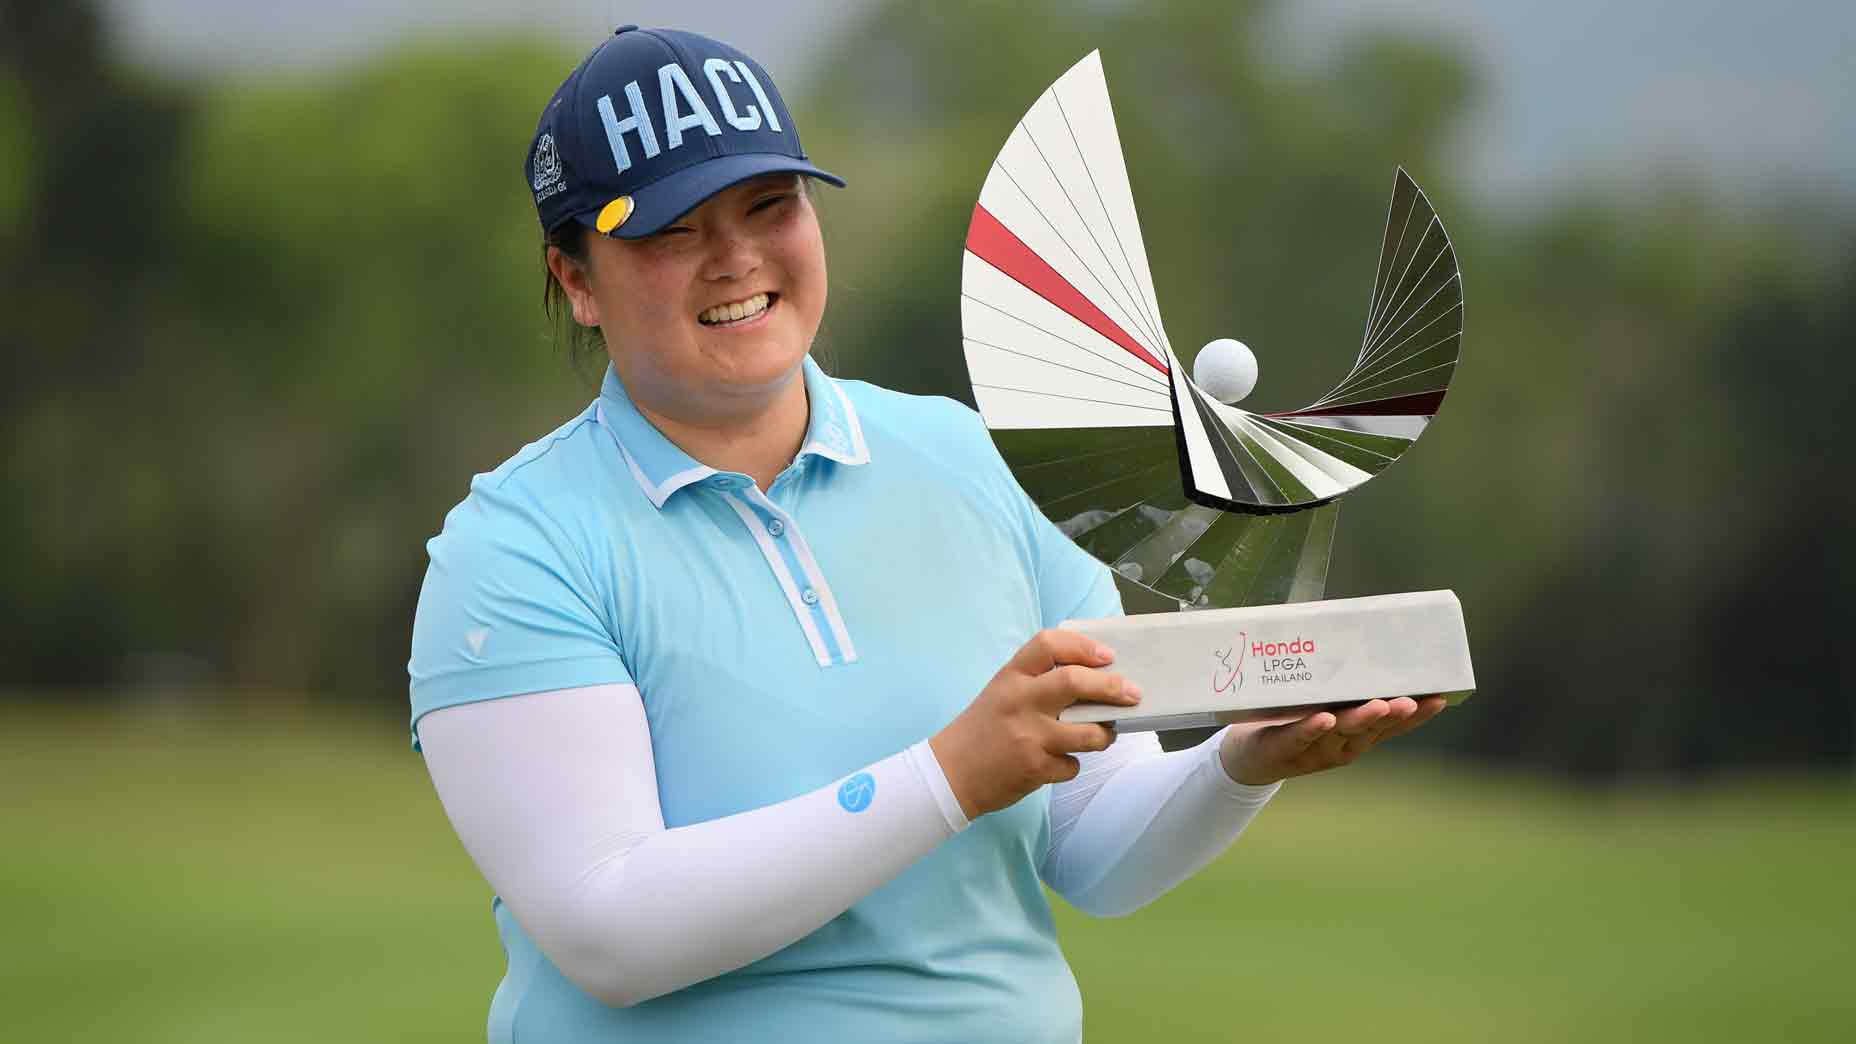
(1008, 742)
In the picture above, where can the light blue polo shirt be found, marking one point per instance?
(779, 642)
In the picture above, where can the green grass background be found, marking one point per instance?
(179, 875)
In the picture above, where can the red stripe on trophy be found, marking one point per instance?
(1423, 404)
(995, 244)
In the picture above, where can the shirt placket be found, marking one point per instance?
(796, 569)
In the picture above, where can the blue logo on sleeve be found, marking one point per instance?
(857, 792)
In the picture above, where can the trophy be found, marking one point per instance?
(1217, 522)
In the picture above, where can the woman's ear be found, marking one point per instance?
(575, 279)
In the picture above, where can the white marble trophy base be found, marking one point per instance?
(1217, 666)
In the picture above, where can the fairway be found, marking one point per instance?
(197, 877)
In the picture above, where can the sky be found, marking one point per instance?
(1755, 92)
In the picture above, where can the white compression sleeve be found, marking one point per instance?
(554, 795)
(1133, 824)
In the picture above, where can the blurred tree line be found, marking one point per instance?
(258, 334)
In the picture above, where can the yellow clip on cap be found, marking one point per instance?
(613, 215)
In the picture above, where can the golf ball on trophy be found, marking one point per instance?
(1226, 370)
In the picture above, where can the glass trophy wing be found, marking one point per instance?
(1192, 501)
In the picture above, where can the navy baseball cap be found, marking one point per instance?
(652, 123)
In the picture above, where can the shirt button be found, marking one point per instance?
(809, 596)
(775, 526)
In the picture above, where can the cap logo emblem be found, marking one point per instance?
(545, 174)
(613, 215)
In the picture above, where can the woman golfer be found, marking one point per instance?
(739, 687)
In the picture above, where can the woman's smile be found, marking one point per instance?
(742, 314)
(709, 318)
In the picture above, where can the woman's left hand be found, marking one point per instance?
(1258, 754)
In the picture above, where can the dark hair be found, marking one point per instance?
(583, 344)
